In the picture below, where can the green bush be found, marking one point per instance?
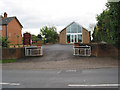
(5, 42)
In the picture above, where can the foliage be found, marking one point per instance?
(50, 34)
(5, 42)
(39, 36)
(108, 25)
(35, 38)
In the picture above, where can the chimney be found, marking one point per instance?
(5, 15)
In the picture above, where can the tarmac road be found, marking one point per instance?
(82, 78)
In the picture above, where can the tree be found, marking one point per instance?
(39, 36)
(5, 42)
(108, 28)
(50, 34)
(35, 38)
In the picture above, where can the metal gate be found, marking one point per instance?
(82, 50)
(33, 51)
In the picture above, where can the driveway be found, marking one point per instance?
(53, 52)
(58, 56)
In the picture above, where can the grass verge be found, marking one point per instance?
(8, 61)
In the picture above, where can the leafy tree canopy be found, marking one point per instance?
(108, 24)
(49, 34)
(35, 38)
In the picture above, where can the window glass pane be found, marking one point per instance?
(79, 29)
(68, 29)
(74, 28)
(0, 27)
(79, 38)
(68, 38)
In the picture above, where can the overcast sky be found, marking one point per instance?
(34, 14)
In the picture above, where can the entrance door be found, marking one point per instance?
(76, 38)
(73, 38)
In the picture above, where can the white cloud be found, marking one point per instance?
(34, 14)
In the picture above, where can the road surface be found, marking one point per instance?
(82, 78)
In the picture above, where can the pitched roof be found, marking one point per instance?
(5, 21)
(71, 24)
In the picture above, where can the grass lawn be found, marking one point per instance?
(8, 61)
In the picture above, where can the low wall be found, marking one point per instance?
(106, 50)
(12, 53)
(99, 50)
(102, 50)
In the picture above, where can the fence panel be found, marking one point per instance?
(82, 50)
(33, 51)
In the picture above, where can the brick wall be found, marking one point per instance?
(85, 36)
(13, 30)
(3, 31)
(63, 37)
(12, 53)
(107, 50)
